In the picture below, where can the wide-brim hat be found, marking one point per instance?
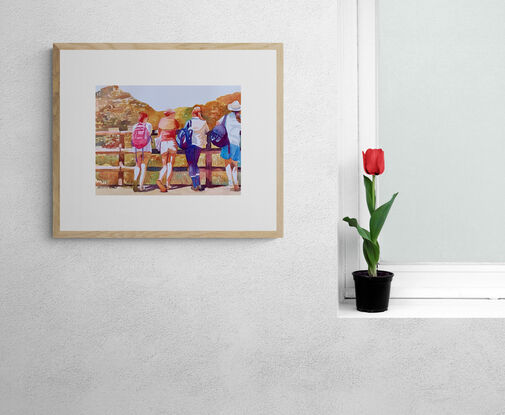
(234, 106)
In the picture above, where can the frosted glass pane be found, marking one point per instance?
(441, 108)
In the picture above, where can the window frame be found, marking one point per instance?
(358, 121)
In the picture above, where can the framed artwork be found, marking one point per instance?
(157, 140)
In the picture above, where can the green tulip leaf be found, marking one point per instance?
(371, 250)
(378, 218)
(354, 224)
(370, 194)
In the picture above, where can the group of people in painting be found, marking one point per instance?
(167, 146)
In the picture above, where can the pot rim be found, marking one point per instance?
(381, 274)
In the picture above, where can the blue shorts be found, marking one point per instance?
(234, 153)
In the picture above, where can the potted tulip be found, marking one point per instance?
(372, 286)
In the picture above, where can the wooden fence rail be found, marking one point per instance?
(121, 150)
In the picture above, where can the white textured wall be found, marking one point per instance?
(205, 327)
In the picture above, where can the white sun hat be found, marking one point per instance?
(234, 106)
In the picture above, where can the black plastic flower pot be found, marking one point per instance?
(372, 293)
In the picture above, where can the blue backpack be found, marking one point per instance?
(184, 136)
(218, 135)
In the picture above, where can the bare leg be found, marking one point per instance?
(234, 173)
(143, 168)
(163, 172)
(170, 166)
(136, 171)
(164, 159)
(227, 164)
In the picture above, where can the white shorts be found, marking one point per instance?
(147, 148)
(167, 145)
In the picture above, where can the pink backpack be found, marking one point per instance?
(140, 135)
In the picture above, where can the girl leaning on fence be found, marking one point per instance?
(141, 144)
(167, 128)
(232, 153)
(198, 141)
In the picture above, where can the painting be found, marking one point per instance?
(157, 140)
(141, 146)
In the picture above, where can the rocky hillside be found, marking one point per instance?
(119, 109)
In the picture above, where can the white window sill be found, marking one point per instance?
(430, 308)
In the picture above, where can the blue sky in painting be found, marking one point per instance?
(172, 96)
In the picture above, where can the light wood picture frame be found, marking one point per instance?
(253, 212)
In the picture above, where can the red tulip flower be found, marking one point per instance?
(373, 161)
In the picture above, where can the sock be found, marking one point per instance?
(169, 172)
(136, 172)
(142, 174)
(228, 173)
(235, 175)
(162, 172)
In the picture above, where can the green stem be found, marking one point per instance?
(372, 269)
(373, 191)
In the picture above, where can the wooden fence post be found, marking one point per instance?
(120, 179)
(208, 165)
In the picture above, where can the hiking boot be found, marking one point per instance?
(161, 186)
(195, 189)
(135, 185)
(236, 188)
